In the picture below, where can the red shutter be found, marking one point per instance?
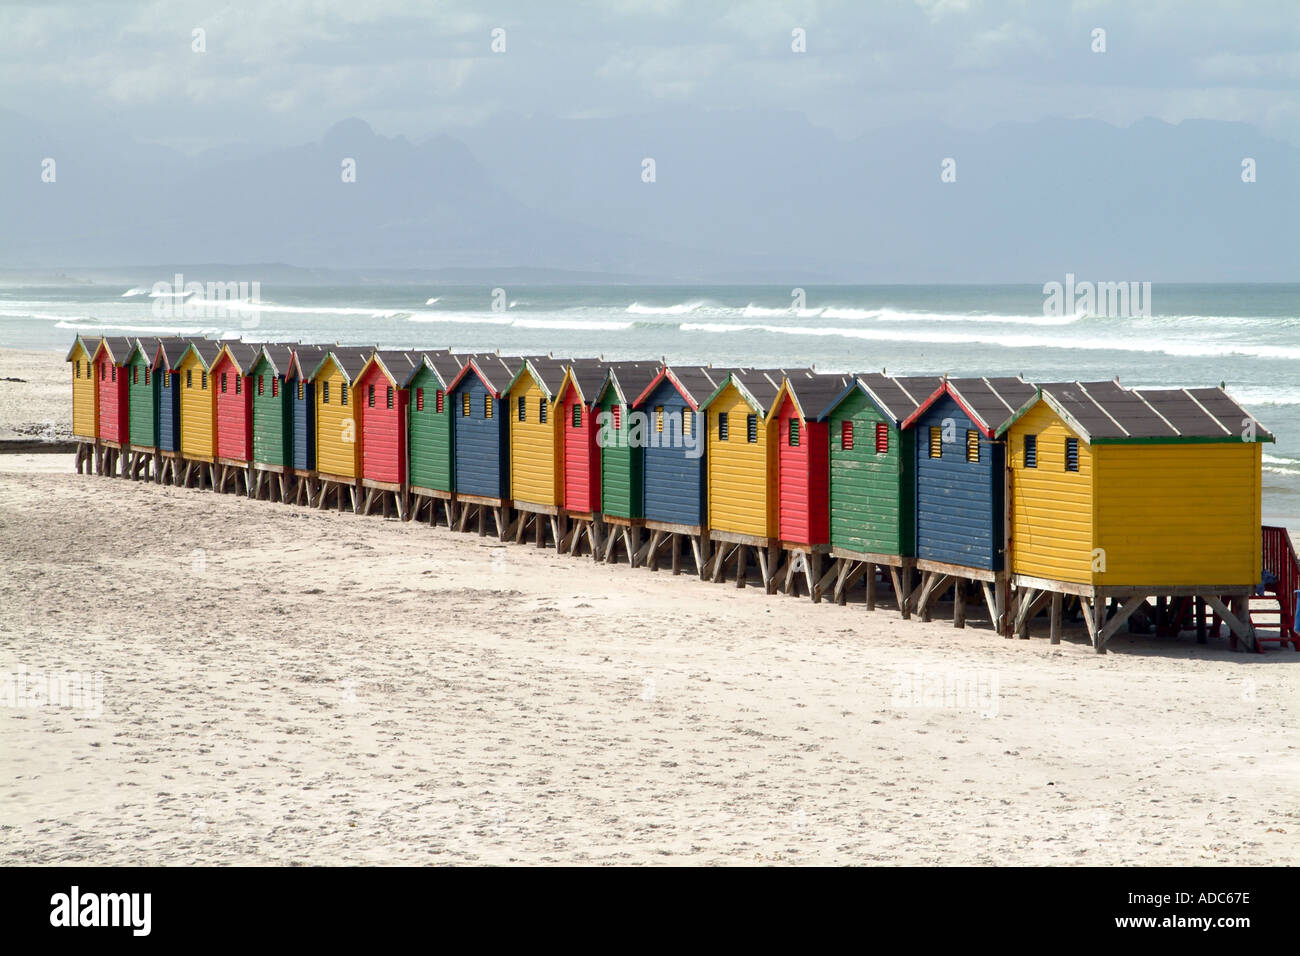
(437, 400)
(419, 399)
(846, 435)
(882, 438)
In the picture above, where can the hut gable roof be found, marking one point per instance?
(241, 354)
(118, 348)
(440, 363)
(396, 366)
(587, 377)
(549, 374)
(204, 350)
(895, 396)
(695, 383)
(810, 392)
(628, 380)
(275, 356)
(89, 346)
(494, 371)
(1109, 413)
(303, 358)
(990, 402)
(349, 361)
(758, 387)
(167, 351)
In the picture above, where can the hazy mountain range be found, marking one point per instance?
(738, 196)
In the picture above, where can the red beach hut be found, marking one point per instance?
(383, 404)
(111, 390)
(234, 415)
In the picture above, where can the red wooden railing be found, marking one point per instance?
(1280, 559)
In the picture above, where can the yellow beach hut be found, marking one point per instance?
(1133, 495)
(338, 429)
(741, 473)
(536, 447)
(198, 411)
(85, 412)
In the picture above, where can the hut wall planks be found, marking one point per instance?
(1190, 513)
(582, 473)
(85, 415)
(111, 400)
(303, 410)
(142, 403)
(871, 494)
(197, 407)
(1051, 508)
(742, 474)
(620, 463)
(272, 416)
(959, 503)
(234, 410)
(482, 444)
(430, 440)
(803, 481)
(536, 451)
(383, 432)
(337, 440)
(673, 479)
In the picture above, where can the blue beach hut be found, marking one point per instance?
(673, 475)
(961, 490)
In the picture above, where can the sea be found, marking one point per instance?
(1245, 337)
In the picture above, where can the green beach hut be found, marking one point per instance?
(429, 433)
(622, 460)
(272, 422)
(872, 480)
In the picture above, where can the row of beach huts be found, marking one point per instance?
(1057, 499)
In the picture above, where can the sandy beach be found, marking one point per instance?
(286, 686)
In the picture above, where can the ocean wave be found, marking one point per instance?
(145, 329)
(681, 308)
(1178, 349)
(432, 301)
(463, 318)
(571, 325)
(1263, 395)
(1278, 459)
(314, 310)
(42, 316)
(133, 292)
(752, 311)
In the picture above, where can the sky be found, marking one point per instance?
(281, 73)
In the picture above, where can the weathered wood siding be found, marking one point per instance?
(673, 480)
(430, 441)
(872, 494)
(959, 504)
(1051, 508)
(742, 474)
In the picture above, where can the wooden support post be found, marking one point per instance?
(959, 603)
(1117, 621)
(901, 594)
(1235, 624)
(1000, 594)
(1200, 621)
(742, 554)
(717, 560)
(822, 583)
(677, 553)
(1056, 617)
(871, 585)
